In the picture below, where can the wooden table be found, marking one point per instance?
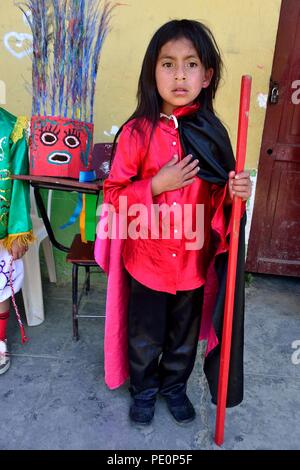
(59, 184)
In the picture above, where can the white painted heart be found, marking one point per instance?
(13, 41)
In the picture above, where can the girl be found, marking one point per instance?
(15, 223)
(172, 153)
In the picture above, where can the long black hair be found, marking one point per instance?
(148, 99)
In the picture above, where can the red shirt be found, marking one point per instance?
(161, 264)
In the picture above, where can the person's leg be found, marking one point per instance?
(4, 315)
(179, 354)
(146, 334)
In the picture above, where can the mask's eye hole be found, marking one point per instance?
(49, 138)
(72, 141)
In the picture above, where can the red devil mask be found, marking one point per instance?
(60, 147)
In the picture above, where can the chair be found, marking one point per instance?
(32, 286)
(82, 254)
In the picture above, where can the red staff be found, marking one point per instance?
(232, 262)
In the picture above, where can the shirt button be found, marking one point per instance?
(175, 231)
(174, 143)
(174, 255)
(174, 203)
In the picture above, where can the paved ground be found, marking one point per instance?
(54, 396)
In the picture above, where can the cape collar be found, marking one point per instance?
(203, 135)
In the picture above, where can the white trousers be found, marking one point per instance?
(17, 275)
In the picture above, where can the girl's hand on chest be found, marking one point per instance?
(175, 175)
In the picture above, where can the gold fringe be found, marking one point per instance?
(23, 239)
(20, 125)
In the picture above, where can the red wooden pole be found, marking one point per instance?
(232, 262)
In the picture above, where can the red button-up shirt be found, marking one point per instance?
(161, 264)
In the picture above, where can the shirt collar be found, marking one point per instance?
(179, 112)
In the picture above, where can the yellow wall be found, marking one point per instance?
(244, 29)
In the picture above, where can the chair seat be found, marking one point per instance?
(81, 253)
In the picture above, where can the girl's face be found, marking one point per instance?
(180, 75)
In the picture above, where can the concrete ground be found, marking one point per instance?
(54, 396)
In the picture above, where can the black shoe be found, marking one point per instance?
(181, 410)
(141, 414)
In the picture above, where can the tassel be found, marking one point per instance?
(82, 219)
(23, 239)
(23, 335)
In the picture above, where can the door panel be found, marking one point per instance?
(274, 237)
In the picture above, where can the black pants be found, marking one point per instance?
(163, 332)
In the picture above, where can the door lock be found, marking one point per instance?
(274, 92)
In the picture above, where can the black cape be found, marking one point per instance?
(203, 135)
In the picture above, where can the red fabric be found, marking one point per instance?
(3, 325)
(160, 264)
(108, 253)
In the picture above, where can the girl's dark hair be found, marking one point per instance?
(149, 100)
